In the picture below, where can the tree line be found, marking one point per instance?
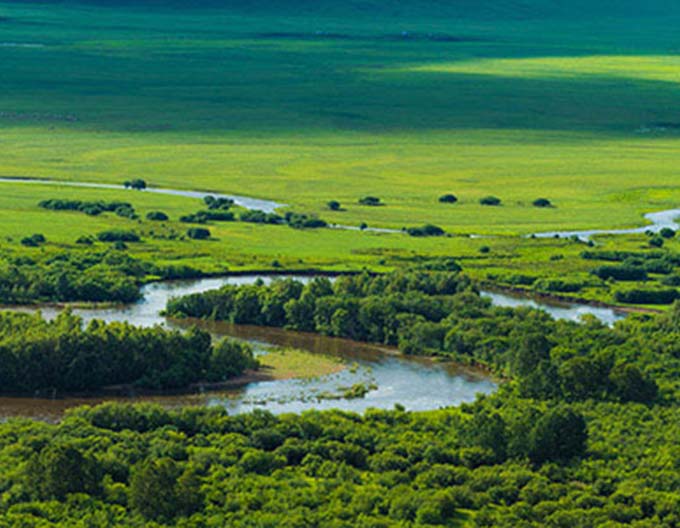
(65, 355)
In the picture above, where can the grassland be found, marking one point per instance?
(484, 99)
(287, 363)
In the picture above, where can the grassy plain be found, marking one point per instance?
(287, 363)
(476, 100)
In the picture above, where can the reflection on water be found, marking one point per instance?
(565, 311)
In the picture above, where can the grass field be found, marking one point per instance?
(478, 98)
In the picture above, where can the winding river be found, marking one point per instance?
(658, 220)
(416, 383)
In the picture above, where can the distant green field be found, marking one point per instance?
(333, 103)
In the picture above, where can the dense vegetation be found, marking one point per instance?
(62, 355)
(439, 313)
(91, 276)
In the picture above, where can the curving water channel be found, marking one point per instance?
(418, 384)
(658, 220)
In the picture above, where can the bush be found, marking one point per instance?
(118, 235)
(620, 273)
(303, 221)
(542, 202)
(370, 200)
(260, 217)
(137, 184)
(647, 296)
(667, 232)
(490, 200)
(218, 203)
(448, 198)
(198, 233)
(656, 242)
(157, 216)
(333, 205)
(427, 230)
(33, 240)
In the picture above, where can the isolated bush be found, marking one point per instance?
(157, 216)
(484, 250)
(198, 233)
(448, 198)
(656, 241)
(490, 200)
(33, 240)
(427, 230)
(137, 184)
(116, 235)
(542, 202)
(333, 205)
(218, 203)
(370, 200)
(667, 232)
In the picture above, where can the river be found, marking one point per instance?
(415, 383)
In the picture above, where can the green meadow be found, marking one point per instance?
(328, 102)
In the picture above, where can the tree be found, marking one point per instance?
(630, 384)
(542, 202)
(559, 434)
(333, 205)
(153, 489)
(62, 469)
(448, 198)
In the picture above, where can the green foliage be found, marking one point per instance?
(541, 202)
(448, 198)
(157, 216)
(39, 355)
(198, 233)
(370, 200)
(33, 241)
(118, 235)
(425, 231)
(490, 200)
(137, 184)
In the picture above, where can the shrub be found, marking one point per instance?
(448, 198)
(218, 203)
(85, 240)
(198, 233)
(333, 205)
(656, 242)
(427, 230)
(260, 217)
(157, 216)
(484, 250)
(370, 200)
(33, 240)
(647, 296)
(490, 200)
(542, 202)
(116, 235)
(620, 273)
(667, 232)
(302, 221)
(137, 184)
